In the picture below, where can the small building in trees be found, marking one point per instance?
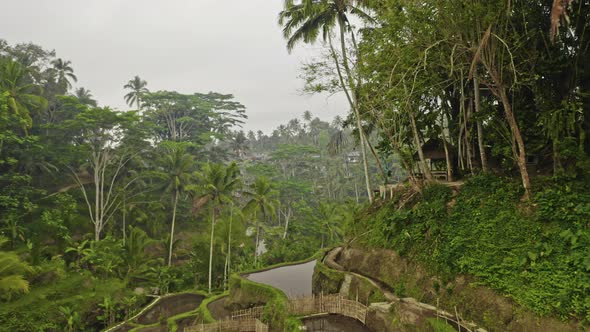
(436, 159)
(353, 157)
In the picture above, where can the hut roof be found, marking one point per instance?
(434, 149)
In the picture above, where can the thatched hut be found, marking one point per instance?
(434, 153)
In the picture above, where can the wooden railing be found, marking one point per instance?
(249, 319)
(255, 312)
(328, 304)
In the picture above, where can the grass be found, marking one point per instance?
(439, 325)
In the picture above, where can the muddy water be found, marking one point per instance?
(333, 323)
(293, 280)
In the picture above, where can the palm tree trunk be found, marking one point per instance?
(228, 260)
(211, 247)
(172, 229)
(257, 234)
(124, 213)
(482, 150)
(352, 101)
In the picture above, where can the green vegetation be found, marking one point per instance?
(131, 200)
(529, 252)
(439, 325)
(100, 208)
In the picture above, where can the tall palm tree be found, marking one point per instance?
(12, 270)
(218, 183)
(85, 96)
(22, 95)
(178, 167)
(304, 21)
(262, 202)
(137, 87)
(65, 73)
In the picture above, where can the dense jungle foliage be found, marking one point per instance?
(102, 208)
(538, 255)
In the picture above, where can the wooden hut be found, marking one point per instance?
(434, 153)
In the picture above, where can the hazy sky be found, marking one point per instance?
(227, 46)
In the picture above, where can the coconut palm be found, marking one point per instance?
(329, 219)
(137, 87)
(12, 270)
(306, 20)
(22, 95)
(85, 96)
(217, 184)
(262, 201)
(178, 166)
(239, 143)
(64, 72)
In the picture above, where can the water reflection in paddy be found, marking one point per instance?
(293, 280)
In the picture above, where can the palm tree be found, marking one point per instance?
(137, 87)
(65, 73)
(303, 22)
(136, 258)
(85, 96)
(178, 167)
(239, 144)
(12, 270)
(262, 201)
(218, 183)
(22, 95)
(329, 219)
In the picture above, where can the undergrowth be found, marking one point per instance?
(537, 253)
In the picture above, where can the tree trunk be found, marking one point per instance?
(467, 137)
(379, 164)
(467, 116)
(124, 213)
(257, 237)
(97, 216)
(287, 218)
(211, 247)
(521, 160)
(172, 229)
(228, 260)
(425, 167)
(352, 101)
(482, 150)
(448, 160)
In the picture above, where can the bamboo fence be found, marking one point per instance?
(249, 319)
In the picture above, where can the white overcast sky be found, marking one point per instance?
(227, 46)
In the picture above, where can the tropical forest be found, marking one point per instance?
(447, 189)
